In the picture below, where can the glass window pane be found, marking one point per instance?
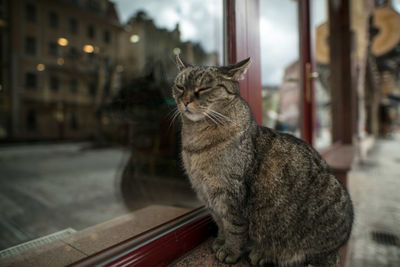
(90, 130)
(280, 64)
(319, 21)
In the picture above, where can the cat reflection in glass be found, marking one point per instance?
(272, 196)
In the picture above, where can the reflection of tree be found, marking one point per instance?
(141, 108)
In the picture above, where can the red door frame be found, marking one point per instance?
(162, 245)
(307, 66)
(243, 35)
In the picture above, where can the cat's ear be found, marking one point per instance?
(237, 71)
(180, 63)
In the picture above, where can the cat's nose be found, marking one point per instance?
(186, 102)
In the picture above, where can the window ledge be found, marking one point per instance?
(80, 245)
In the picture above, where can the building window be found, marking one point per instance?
(93, 5)
(53, 19)
(73, 53)
(107, 88)
(73, 123)
(30, 45)
(107, 62)
(107, 37)
(30, 80)
(54, 83)
(91, 33)
(91, 58)
(53, 49)
(73, 85)
(31, 120)
(92, 89)
(73, 25)
(30, 12)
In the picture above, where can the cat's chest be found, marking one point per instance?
(206, 172)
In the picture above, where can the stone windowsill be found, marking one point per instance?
(81, 244)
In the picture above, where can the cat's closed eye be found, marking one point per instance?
(180, 88)
(201, 90)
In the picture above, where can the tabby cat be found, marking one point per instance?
(271, 194)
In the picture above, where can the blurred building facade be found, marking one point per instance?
(64, 61)
(144, 47)
(60, 66)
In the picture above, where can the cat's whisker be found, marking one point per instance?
(222, 116)
(216, 117)
(171, 112)
(211, 118)
(174, 115)
(222, 123)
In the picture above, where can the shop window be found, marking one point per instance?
(30, 80)
(30, 45)
(117, 99)
(30, 11)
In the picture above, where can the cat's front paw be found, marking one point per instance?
(227, 255)
(217, 244)
(257, 258)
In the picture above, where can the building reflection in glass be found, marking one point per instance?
(94, 75)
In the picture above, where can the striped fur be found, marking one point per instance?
(271, 194)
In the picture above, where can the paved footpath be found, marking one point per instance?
(375, 187)
(46, 188)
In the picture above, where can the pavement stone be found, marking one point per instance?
(375, 188)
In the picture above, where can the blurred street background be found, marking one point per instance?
(89, 130)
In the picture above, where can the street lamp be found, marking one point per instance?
(62, 41)
(176, 51)
(88, 48)
(40, 67)
(134, 38)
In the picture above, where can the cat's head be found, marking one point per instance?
(202, 91)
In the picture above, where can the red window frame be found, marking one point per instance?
(243, 34)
